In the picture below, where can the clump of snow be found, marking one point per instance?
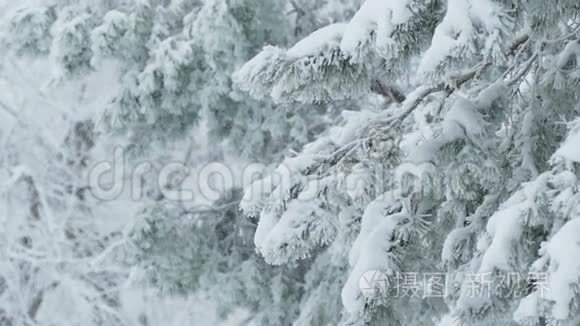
(28, 28)
(375, 254)
(572, 49)
(461, 121)
(563, 250)
(452, 244)
(268, 220)
(71, 41)
(454, 37)
(425, 152)
(373, 214)
(464, 114)
(105, 37)
(378, 16)
(358, 181)
(259, 74)
(312, 71)
(505, 227)
(355, 120)
(563, 205)
(325, 39)
(277, 184)
(451, 37)
(302, 226)
(490, 94)
(486, 12)
(255, 194)
(570, 149)
(528, 309)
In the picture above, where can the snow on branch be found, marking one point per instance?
(470, 29)
(292, 202)
(106, 38)
(569, 150)
(373, 27)
(71, 49)
(313, 70)
(29, 30)
(337, 61)
(559, 262)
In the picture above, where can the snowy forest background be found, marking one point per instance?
(246, 162)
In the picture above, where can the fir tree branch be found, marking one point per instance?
(449, 87)
(456, 82)
(411, 103)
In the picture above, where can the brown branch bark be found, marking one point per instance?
(388, 92)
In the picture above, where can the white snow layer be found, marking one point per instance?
(571, 148)
(375, 254)
(380, 16)
(462, 120)
(454, 36)
(563, 250)
(505, 227)
(528, 309)
(572, 49)
(371, 249)
(322, 40)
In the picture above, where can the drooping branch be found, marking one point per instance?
(388, 121)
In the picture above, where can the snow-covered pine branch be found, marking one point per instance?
(458, 161)
(313, 70)
(341, 60)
